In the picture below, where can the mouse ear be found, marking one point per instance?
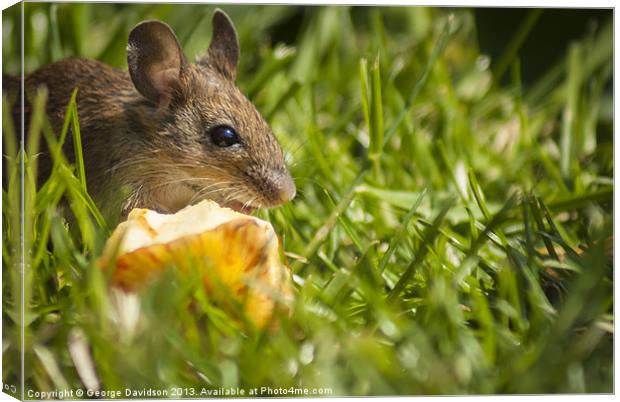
(223, 52)
(155, 60)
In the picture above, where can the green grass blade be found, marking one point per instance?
(364, 92)
(472, 258)
(290, 93)
(568, 146)
(517, 41)
(400, 231)
(376, 114)
(573, 202)
(427, 240)
(77, 145)
(35, 129)
(9, 137)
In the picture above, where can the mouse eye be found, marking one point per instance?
(224, 136)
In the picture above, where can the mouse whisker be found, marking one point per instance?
(211, 190)
(297, 148)
(234, 195)
(311, 180)
(182, 180)
(303, 161)
(250, 203)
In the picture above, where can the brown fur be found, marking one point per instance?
(158, 152)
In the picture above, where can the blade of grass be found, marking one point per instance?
(376, 115)
(292, 90)
(322, 233)
(345, 224)
(558, 231)
(277, 61)
(569, 133)
(451, 168)
(529, 234)
(114, 52)
(364, 92)
(9, 137)
(191, 27)
(515, 44)
(552, 169)
(35, 129)
(67, 120)
(55, 43)
(471, 259)
(578, 201)
(50, 364)
(399, 232)
(525, 134)
(537, 214)
(77, 144)
(427, 239)
(479, 197)
(65, 173)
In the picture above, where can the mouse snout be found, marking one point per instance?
(285, 188)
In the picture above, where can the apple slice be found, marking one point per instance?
(236, 255)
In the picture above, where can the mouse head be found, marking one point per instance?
(211, 142)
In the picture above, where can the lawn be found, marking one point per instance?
(451, 233)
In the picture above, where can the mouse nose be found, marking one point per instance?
(286, 188)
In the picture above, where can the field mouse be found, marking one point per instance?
(167, 133)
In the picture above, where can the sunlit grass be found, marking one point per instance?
(449, 235)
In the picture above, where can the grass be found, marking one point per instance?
(450, 235)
